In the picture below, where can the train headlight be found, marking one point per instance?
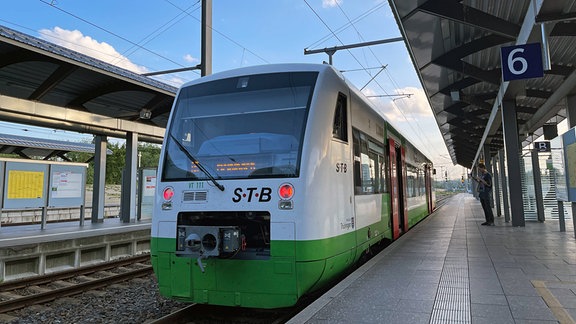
(286, 192)
(168, 193)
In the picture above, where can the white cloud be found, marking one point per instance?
(76, 41)
(369, 92)
(175, 81)
(190, 59)
(415, 103)
(331, 3)
(410, 104)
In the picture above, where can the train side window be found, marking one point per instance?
(383, 174)
(369, 165)
(376, 152)
(340, 126)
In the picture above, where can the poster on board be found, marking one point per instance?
(25, 184)
(67, 185)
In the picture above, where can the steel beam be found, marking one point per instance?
(470, 16)
(513, 150)
(99, 179)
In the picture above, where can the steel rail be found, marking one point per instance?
(61, 275)
(44, 297)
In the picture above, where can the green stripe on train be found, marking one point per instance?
(417, 214)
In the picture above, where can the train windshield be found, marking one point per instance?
(243, 127)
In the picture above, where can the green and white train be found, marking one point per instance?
(273, 181)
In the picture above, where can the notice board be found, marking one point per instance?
(37, 184)
(569, 150)
(25, 184)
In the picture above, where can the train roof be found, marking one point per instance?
(262, 69)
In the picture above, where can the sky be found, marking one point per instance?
(158, 35)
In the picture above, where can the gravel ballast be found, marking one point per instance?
(135, 301)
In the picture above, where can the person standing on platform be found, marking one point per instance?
(484, 190)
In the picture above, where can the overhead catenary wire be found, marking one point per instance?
(223, 35)
(110, 32)
(139, 46)
(160, 30)
(420, 128)
(391, 79)
(348, 25)
(334, 34)
(410, 124)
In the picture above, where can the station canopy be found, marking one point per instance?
(47, 85)
(40, 148)
(455, 47)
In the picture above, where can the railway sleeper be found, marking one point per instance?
(62, 284)
(84, 279)
(38, 289)
(104, 274)
(6, 295)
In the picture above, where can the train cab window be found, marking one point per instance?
(340, 126)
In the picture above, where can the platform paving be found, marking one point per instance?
(451, 269)
(11, 236)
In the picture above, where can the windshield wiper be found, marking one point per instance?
(197, 163)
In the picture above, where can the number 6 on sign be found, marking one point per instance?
(512, 59)
(521, 62)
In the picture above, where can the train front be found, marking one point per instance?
(224, 222)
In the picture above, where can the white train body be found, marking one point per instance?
(307, 184)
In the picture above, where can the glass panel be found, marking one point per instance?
(237, 128)
(367, 174)
(548, 183)
(340, 127)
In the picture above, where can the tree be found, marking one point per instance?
(150, 155)
(115, 162)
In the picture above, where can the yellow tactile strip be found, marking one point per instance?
(555, 306)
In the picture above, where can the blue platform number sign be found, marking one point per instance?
(521, 62)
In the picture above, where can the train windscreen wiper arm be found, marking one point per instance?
(197, 163)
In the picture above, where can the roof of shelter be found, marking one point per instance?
(31, 147)
(48, 85)
(455, 47)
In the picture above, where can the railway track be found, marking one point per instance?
(41, 289)
(200, 314)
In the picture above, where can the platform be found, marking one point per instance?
(451, 269)
(28, 250)
(16, 235)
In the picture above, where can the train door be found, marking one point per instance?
(428, 184)
(394, 191)
(397, 189)
(402, 175)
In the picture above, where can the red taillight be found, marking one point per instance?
(168, 194)
(286, 191)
